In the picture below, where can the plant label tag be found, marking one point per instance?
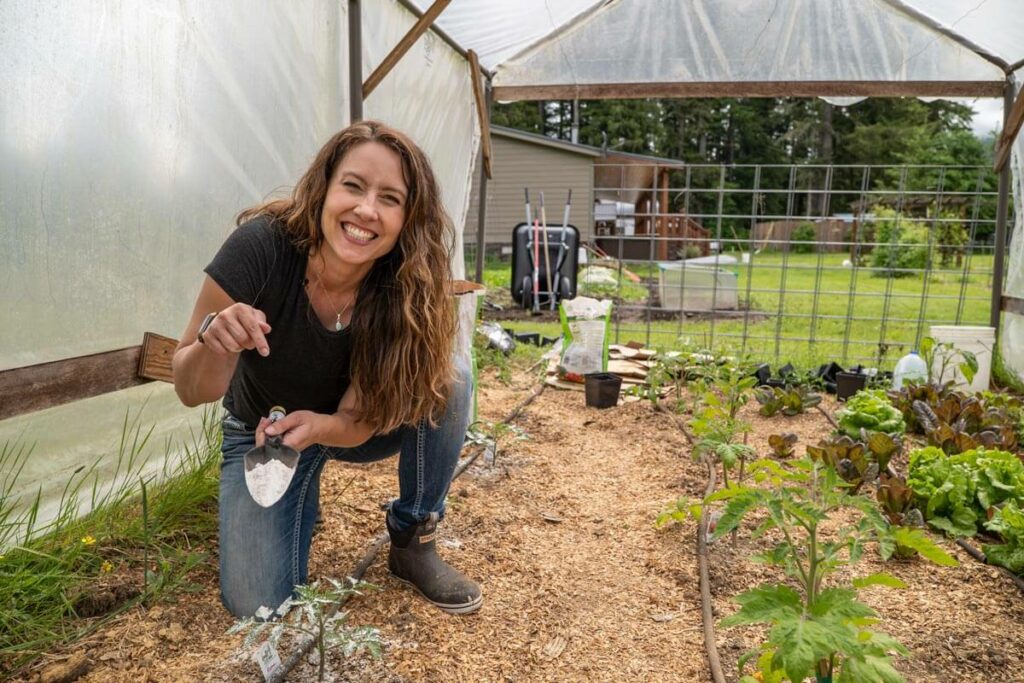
(270, 663)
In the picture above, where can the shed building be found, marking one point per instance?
(541, 164)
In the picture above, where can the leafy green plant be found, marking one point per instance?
(786, 400)
(945, 355)
(870, 410)
(815, 629)
(803, 238)
(728, 454)
(959, 423)
(897, 502)
(903, 244)
(782, 444)
(847, 458)
(715, 421)
(1008, 522)
(903, 400)
(856, 462)
(951, 237)
(1011, 405)
(668, 368)
(678, 511)
(312, 612)
(492, 436)
(956, 492)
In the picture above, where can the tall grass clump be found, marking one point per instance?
(101, 552)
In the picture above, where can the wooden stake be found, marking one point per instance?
(418, 29)
(481, 111)
(1010, 130)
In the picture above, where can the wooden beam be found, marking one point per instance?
(155, 360)
(481, 112)
(1012, 304)
(663, 219)
(752, 89)
(46, 385)
(418, 29)
(1010, 130)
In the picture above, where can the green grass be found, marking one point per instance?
(789, 323)
(62, 580)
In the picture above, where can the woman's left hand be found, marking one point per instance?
(299, 430)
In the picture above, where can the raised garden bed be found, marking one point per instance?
(578, 583)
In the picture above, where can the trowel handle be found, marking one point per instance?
(276, 413)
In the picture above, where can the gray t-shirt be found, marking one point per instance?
(308, 365)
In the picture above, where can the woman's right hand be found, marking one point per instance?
(236, 328)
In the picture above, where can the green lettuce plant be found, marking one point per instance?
(871, 411)
(956, 492)
(1008, 522)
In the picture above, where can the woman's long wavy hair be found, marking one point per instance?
(403, 326)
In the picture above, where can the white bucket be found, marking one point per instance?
(978, 340)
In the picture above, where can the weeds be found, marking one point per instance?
(60, 579)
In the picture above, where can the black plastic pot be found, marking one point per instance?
(602, 389)
(763, 374)
(849, 383)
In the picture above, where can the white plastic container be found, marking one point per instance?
(978, 340)
(910, 367)
(684, 286)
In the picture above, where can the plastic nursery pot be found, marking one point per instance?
(602, 389)
(849, 383)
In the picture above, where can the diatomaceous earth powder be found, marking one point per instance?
(268, 481)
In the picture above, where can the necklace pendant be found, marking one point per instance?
(338, 325)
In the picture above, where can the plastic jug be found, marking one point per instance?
(910, 367)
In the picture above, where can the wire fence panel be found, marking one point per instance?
(801, 263)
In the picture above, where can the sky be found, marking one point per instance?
(988, 114)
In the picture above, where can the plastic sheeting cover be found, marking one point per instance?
(429, 96)
(131, 133)
(130, 136)
(1011, 332)
(745, 41)
(498, 29)
(996, 25)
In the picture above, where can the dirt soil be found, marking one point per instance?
(578, 585)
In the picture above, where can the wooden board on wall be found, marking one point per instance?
(46, 385)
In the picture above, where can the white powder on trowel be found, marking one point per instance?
(268, 481)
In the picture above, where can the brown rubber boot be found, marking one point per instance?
(413, 559)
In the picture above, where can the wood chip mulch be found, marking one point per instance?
(578, 584)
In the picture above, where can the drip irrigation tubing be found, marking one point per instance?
(675, 418)
(378, 543)
(706, 611)
(832, 421)
(980, 557)
(707, 615)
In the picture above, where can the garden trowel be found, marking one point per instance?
(269, 468)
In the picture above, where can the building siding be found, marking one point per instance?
(518, 164)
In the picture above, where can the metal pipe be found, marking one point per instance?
(1001, 211)
(355, 62)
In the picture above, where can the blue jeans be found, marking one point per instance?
(264, 552)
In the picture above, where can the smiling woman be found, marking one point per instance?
(335, 304)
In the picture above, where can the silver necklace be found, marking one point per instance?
(338, 325)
